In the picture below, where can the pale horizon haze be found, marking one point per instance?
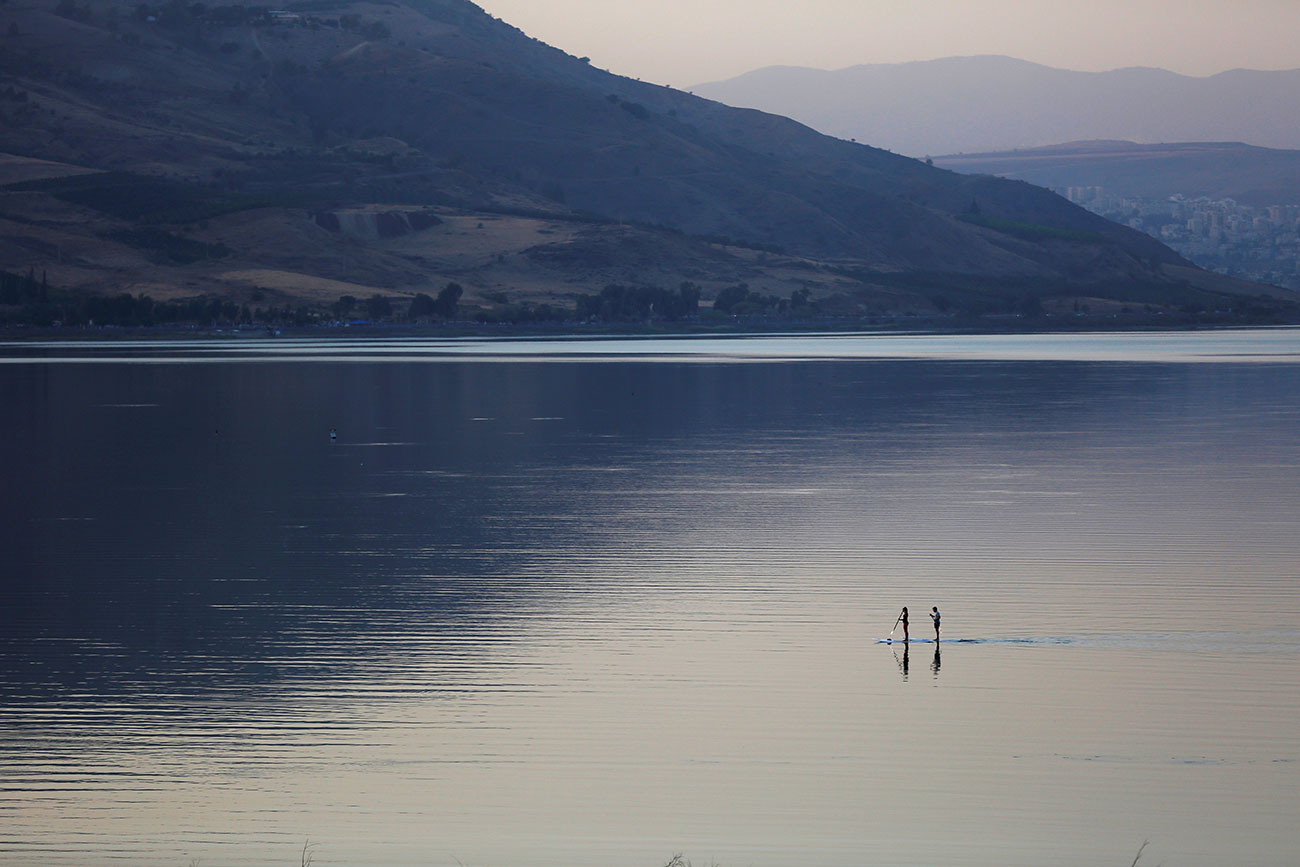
(686, 42)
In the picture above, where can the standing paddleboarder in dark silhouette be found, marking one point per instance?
(934, 615)
(902, 618)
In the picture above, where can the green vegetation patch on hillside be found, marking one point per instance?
(166, 245)
(1033, 231)
(149, 200)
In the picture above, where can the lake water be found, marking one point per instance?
(599, 602)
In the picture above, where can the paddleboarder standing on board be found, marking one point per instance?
(902, 618)
(934, 615)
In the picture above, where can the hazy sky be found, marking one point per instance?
(685, 42)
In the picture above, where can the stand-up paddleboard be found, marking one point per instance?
(904, 641)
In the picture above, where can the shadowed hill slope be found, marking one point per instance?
(1218, 170)
(415, 119)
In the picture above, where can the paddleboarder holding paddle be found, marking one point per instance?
(902, 618)
(934, 615)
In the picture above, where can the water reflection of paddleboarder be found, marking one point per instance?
(934, 666)
(903, 663)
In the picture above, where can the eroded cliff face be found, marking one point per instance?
(375, 223)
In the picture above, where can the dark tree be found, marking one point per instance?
(730, 297)
(343, 306)
(378, 307)
(422, 307)
(448, 299)
(689, 294)
(617, 303)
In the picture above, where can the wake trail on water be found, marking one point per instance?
(1180, 641)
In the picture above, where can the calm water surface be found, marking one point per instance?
(596, 602)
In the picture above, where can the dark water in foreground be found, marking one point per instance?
(595, 603)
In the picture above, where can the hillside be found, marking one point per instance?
(387, 148)
(978, 104)
(1216, 170)
(1226, 206)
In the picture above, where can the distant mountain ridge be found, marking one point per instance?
(995, 103)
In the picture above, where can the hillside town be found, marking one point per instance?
(1254, 243)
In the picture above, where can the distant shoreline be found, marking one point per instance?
(453, 330)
